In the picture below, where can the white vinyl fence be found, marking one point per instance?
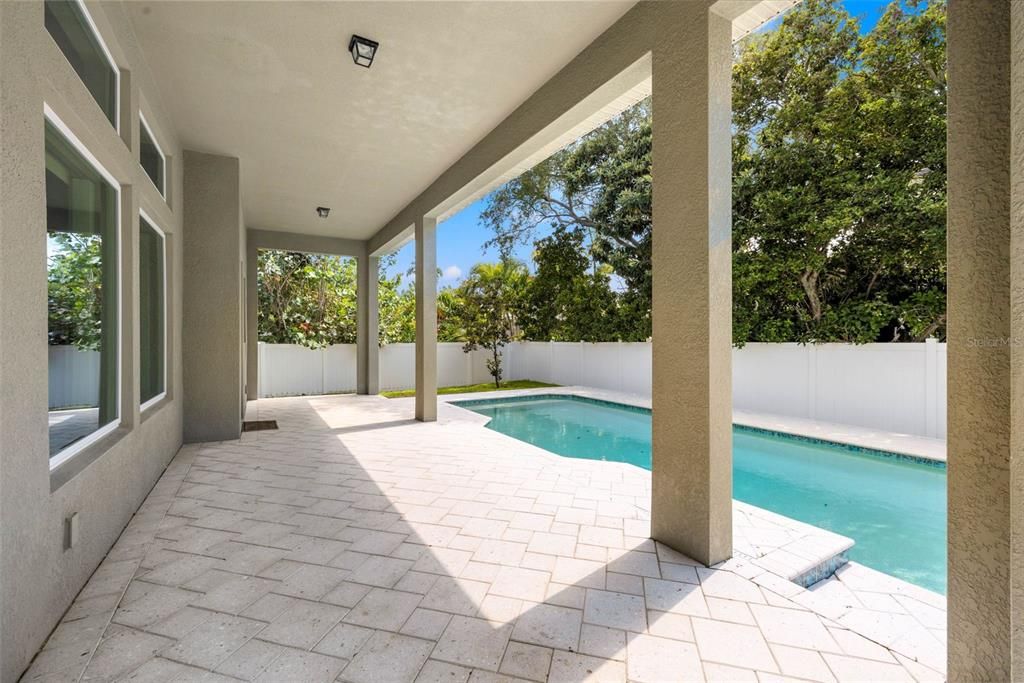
(894, 387)
(292, 370)
(74, 377)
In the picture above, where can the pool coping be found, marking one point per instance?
(811, 554)
(862, 439)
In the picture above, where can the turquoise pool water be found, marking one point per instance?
(894, 508)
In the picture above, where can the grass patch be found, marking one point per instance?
(474, 388)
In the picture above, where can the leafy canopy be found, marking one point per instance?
(839, 183)
(491, 301)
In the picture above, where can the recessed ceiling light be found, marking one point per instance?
(363, 50)
(322, 211)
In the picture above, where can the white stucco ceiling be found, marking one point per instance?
(273, 84)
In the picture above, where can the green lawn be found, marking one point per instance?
(474, 388)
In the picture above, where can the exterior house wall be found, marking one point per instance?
(105, 483)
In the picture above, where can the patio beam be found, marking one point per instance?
(426, 319)
(367, 326)
(691, 506)
(985, 248)
(281, 240)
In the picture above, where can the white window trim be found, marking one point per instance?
(61, 457)
(163, 257)
(163, 157)
(110, 60)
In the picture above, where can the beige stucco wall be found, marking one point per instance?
(1017, 307)
(213, 318)
(106, 483)
(986, 330)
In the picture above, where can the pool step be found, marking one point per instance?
(795, 551)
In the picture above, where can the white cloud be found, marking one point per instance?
(452, 273)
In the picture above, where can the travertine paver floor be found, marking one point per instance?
(356, 544)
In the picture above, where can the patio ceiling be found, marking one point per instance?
(273, 84)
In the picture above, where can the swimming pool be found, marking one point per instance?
(894, 507)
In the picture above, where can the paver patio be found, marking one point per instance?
(357, 544)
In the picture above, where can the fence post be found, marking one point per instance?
(931, 384)
(579, 366)
(812, 381)
(261, 367)
(551, 362)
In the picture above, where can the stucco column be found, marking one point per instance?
(252, 351)
(213, 309)
(367, 327)
(985, 390)
(692, 307)
(426, 319)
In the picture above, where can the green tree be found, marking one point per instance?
(570, 297)
(598, 190)
(396, 307)
(307, 299)
(839, 184)
(839, 178)
(449, 318)
(489, 315)
(310, 299)
(74, 288)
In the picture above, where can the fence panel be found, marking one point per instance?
(895, 387)
(339, 369)
(290, 370)
(74, 377)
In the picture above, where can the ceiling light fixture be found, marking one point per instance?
(363, 50)
(322, 211)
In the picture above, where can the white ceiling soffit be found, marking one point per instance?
(749, 15)
(273, 84)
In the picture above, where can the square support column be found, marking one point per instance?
(985, 392)
(691, 506)
(252, 349)
(213, 303)
(367, 326)
(426, 319)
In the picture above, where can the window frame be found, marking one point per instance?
(110, 61)
(163, 257)
(162, 188)
(63, 456)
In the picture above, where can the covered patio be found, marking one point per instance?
(354, 542)
(401, 541)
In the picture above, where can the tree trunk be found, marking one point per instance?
(809, 281)
(930, 330)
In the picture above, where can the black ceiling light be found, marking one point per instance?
(363, 50)
(322, 211)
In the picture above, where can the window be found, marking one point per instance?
(150, 156)
(73, 30)
(152, 313)
(83, 294)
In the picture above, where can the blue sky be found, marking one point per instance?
(461, 237)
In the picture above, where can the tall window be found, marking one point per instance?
(152, 312)
(83, 284)
(73, 30)
(151, 156)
